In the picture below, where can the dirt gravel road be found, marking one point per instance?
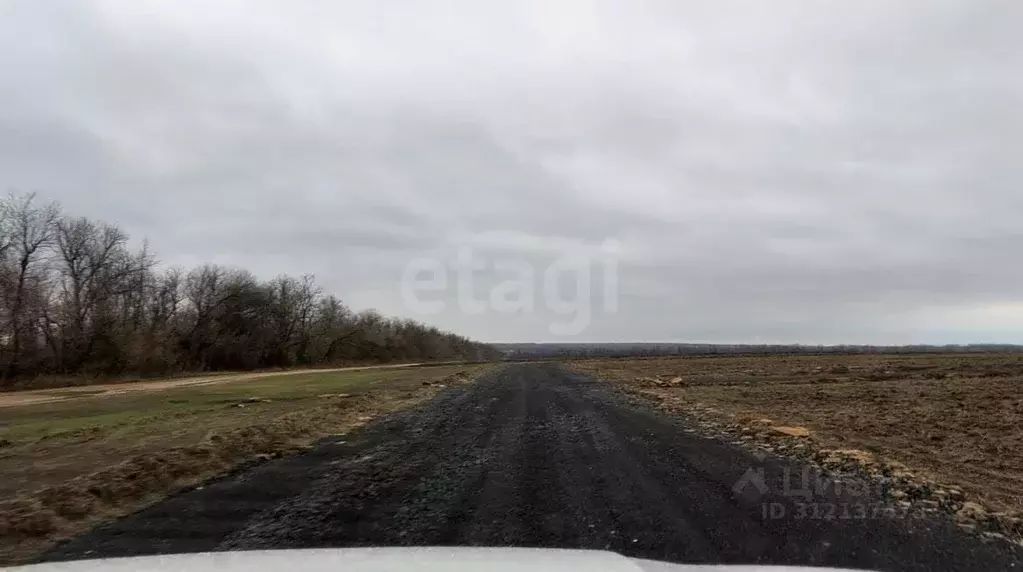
(536, 455)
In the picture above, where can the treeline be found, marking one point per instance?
(650, 349)
(76, 299)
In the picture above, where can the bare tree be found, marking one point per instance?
(204, 292)
(333, 328)
(99, 278)
(31, 232)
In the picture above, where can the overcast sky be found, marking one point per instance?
(817, 172)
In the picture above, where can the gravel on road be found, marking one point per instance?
(534, 454)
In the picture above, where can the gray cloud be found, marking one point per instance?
(827, 172)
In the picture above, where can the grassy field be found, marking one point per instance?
(69, 464)
(956, 419)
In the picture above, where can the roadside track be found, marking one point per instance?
(37, 396)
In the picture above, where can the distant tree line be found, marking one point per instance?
(548, 350)
(76, 299)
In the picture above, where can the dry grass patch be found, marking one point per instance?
(71, 464)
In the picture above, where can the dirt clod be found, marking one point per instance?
(792, 431)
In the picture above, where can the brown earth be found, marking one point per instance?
(949, 426)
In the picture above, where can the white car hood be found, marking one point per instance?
(389, 560)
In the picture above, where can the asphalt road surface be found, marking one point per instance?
(537, 455)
